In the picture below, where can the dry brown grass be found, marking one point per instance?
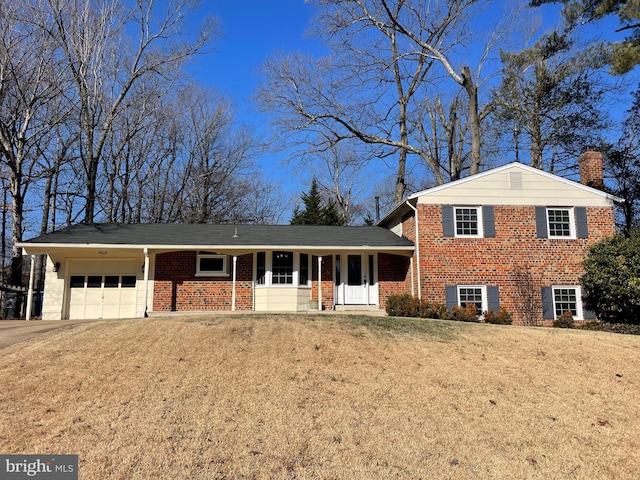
(325, 397)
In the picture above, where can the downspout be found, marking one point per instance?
(415, 210)
(30, 291)
(233, 286)
(319, 282)
(146, 281)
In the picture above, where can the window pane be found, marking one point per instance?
(76, 281)
(337, 269)
(559, 223)
(283, 268)
(565, 300)
(354, 270)
(94, 281)
(372, 276)
(471, 295)
(111, 281)
(304, 268)
(128, 281)
(211, 264)
(466, 221)
(260, 268)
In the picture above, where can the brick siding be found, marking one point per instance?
(177, 288)
(515, 260)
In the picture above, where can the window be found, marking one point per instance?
(282, 273)
(567, 299)
(261, 268)
(468, 222)
(94, 281)
(304, 269)
(211, 264)
(76, 281)
(475, 294)
(560, 223)
(128, 281)
(111, 281)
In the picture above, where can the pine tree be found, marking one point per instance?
(315, 211)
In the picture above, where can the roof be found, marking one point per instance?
(205, 236)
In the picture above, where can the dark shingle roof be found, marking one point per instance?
(199, 235)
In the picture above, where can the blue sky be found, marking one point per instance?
(253, 30)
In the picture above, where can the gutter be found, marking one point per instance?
(417, 243)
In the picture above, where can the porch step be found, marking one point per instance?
(357, 308)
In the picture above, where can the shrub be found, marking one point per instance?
(612, 279)
(564, 321)
(502, 317)
(403, 305)
(468, 313)
(434, 310)
(622, 328)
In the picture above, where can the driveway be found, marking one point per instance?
(16, 331)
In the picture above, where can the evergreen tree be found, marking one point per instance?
(316, 211)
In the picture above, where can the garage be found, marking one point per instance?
(102, 289)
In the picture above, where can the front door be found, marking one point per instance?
(355, 287)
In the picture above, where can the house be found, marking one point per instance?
(513, 236)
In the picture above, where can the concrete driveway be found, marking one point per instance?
(15, 331)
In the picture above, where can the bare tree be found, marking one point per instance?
(386, 60)
(106, 62)
(31, 82)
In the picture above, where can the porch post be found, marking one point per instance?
(30, 291)
(319, 282)
(233, 287)
(146, 282)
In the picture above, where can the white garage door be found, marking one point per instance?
(103, 289)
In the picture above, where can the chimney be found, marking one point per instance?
(590, 165)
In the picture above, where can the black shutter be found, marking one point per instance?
(547, 303)
(541, 222)
(581, 222)
(451, 295)
(493, 298)
(448, 223)
(488, 221)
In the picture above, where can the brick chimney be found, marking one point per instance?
(590, 165)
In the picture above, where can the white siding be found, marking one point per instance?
(498, 188)
(53, 292)
(282, 299)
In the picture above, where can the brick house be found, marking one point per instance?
(513, 236)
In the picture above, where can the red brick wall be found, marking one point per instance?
(394, 276)
(515, 260)
(177, 288)
(327, 281)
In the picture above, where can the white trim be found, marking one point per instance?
(145, 294)
(578, 291)
(212, 273)
(30, 291)
(417, 233)
(319, 283)
(480, 224)
(483, 293)
(572, 224)
(233, 284)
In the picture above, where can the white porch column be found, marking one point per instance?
(319, 283)
(233, 287)
(30, 291)
(146, 282)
